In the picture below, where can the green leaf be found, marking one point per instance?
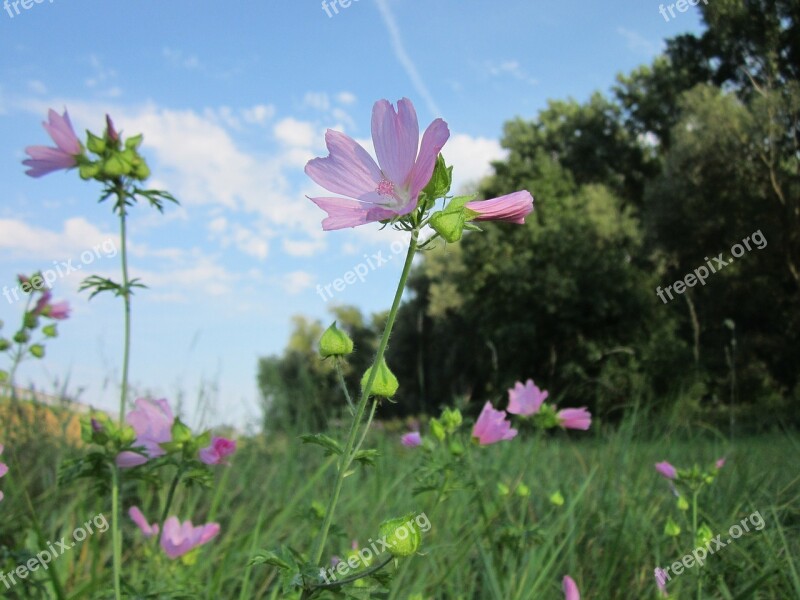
(366, 457)
(441, 180)
(268, 557)
(327, 442)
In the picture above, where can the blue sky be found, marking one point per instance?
(233, 99)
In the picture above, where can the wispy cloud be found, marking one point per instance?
(404, 59)
(640, 44)
(510, 68)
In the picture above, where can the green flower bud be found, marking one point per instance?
(523, 491)
(451, 419)
(546, 417)
(335, 342)
(704, 535)
(557, 499)
(180, 432)
(385, 383)
(437, 430)
(133, 142)
(403, 535)
(89, 170)
(456, 448)
(4, 344)
(21, 337)
(95, 144)
(503, 489)
(31, 320)
(50, 330)
(141, 171)
(37, 350)
(115, 166)
(683, 504)
(672, 529)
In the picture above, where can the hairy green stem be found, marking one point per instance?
(360, 575)
(340, 376)
(170, 495)
(346, 458)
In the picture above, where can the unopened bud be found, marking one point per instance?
(335, 342)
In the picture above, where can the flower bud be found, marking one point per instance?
(385, 383)
(4, 345)
(437, 429)
(403, 535)
(335, 342)
(556, 498)
(95, 144)
(451, 419)
(683, 504)
(37, 350)
(672, 529)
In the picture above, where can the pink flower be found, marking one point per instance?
(575, 418)
(570, 589)
(57, 310)
(525, 399)
(661, 581)
(720, 463)
(667, 470)
(145, 527)
(412, 439)
(152, 421)
(376, 193)
(3, 469)
(179, 538)
(512, 208)
(111, 131)
(44, 159)
(217, 451)
(492, 426)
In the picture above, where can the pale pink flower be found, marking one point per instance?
(667, 470)
(570, 589)
(575, 418)
(215, 453)
(3, 468)
(661, 581)
(412, 439)
(152, 421)
(179, 538)
(44, 159)
(57, 310)
(512, 208)
(377, 193)
(720, 463)
(146, 528)
(525, 399)
(492, 426)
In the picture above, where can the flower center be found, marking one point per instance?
(385, 188)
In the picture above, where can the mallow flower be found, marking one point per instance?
(667, 470)
(53, 310)
(661, 581)
(215, 453)
(525, 399)
(412, 439)
(575, 418)
(44, 159)
(382, 190)
(179, 538)
(512, 208)
(3, 469)
(492, 426)
(146, 528)
(152, 421)
(570, 589)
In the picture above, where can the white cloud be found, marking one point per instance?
(252, 242)
(296, 281)
(258, 114)
(346, 98)
(471, 158)
(296, 133)
(317, 101)
(178, 59)
(37, 87)
(510, 68)
(35, 243)
(303, 247)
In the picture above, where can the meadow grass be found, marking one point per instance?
(608, 534)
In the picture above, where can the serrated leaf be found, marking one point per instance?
(366, 457)
(268, 557)
(320, 439)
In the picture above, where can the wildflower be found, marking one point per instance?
(492, 426)
(667, 470)
(152, 421)
(525, 399)
(44, 159)
(3, 469)
(570, 589)
(661, 576)
(179, 538)
(575, 418)
(215, 453)
(512, 208)
(146, 528)
(412, 439)
(377, 193)
(57, 310)
(720, 463)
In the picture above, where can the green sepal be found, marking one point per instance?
(441, 180)
(95, 144)
(385, 383)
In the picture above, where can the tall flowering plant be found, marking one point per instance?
(406, 187)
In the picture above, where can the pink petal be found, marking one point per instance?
(512, 208)
(525, 399)
(570, 589)
(667, 470)
(395, 136)
(575, 418)
(45, 160)
(3, 469)
(127, 460)
(141, 522)
(348, 169)
(343, 212)
(60, 129)
(433, 140)
(412, 439)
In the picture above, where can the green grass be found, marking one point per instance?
(608, 535)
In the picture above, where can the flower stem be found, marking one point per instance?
(694, 534)
(347, 456)
(170, 495)
(123, 397)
